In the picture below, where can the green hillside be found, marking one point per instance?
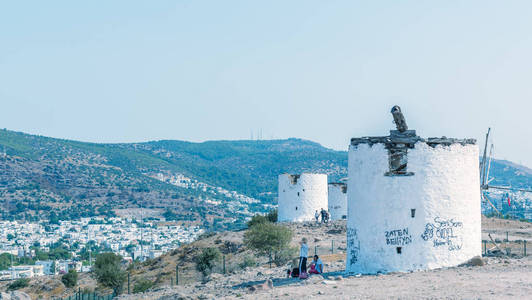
(217, 183)
(42, 177)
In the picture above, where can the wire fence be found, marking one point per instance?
(80, 295)
(329, 251)
(505, 246)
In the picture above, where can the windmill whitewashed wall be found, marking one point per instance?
(300, 195)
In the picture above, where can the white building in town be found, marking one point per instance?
(413, 203)
(338, 200)
(300, 196)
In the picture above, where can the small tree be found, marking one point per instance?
(257, 219)
(142, 285)
(269, 239)
(205, 261)
(108, 271)
(272, 215)
(18, 284)
(70, 279)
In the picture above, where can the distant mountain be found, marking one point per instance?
(215, 183)
(507, 173)
(219, 183)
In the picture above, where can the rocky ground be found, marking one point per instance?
(502, 276)
(499, 278)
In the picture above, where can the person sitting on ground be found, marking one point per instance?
(316, 266)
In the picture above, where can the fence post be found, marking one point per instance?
(176, 274)
(332, 246)
(524, 248)
(128, 281)
(484, 242)
(224, 263)
(507, 240)
(315, 250)
(171, 280)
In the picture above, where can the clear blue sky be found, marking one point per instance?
(121, 71)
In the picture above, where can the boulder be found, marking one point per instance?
(267, 285)
(476, 261)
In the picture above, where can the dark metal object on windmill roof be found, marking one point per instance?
(404, 138)
(399, 119)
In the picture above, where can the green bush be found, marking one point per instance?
(257, 219)
(249, 261)
(18, 284)
(108, 271)
(207, 259)
(268, 239)
(142, 285)
(272, 215)
(70, 279)
(284, 255)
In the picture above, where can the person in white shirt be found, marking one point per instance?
(317, 216)
(316, 266)
(303, 253)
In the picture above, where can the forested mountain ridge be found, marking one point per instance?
(218, 182)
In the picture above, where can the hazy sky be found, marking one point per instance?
(121, 71)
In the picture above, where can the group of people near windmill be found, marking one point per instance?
(300, 271)
(324, 216)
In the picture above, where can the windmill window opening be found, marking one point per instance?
(398, 161)
(398, 249)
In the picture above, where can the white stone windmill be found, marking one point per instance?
(485, 186)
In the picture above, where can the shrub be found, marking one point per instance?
(18, 284)
(108, 271)
(260, 219)
(272, 215)
(230, 247)
(206, 260)
(249, 261)
(257, 219)
(70, 279)
(284, 255)
(268, 239)
(142, 285)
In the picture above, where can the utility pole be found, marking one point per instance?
(88, 243)
(141, 234)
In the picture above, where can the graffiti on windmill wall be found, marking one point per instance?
(353, 244)
(444, 232)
